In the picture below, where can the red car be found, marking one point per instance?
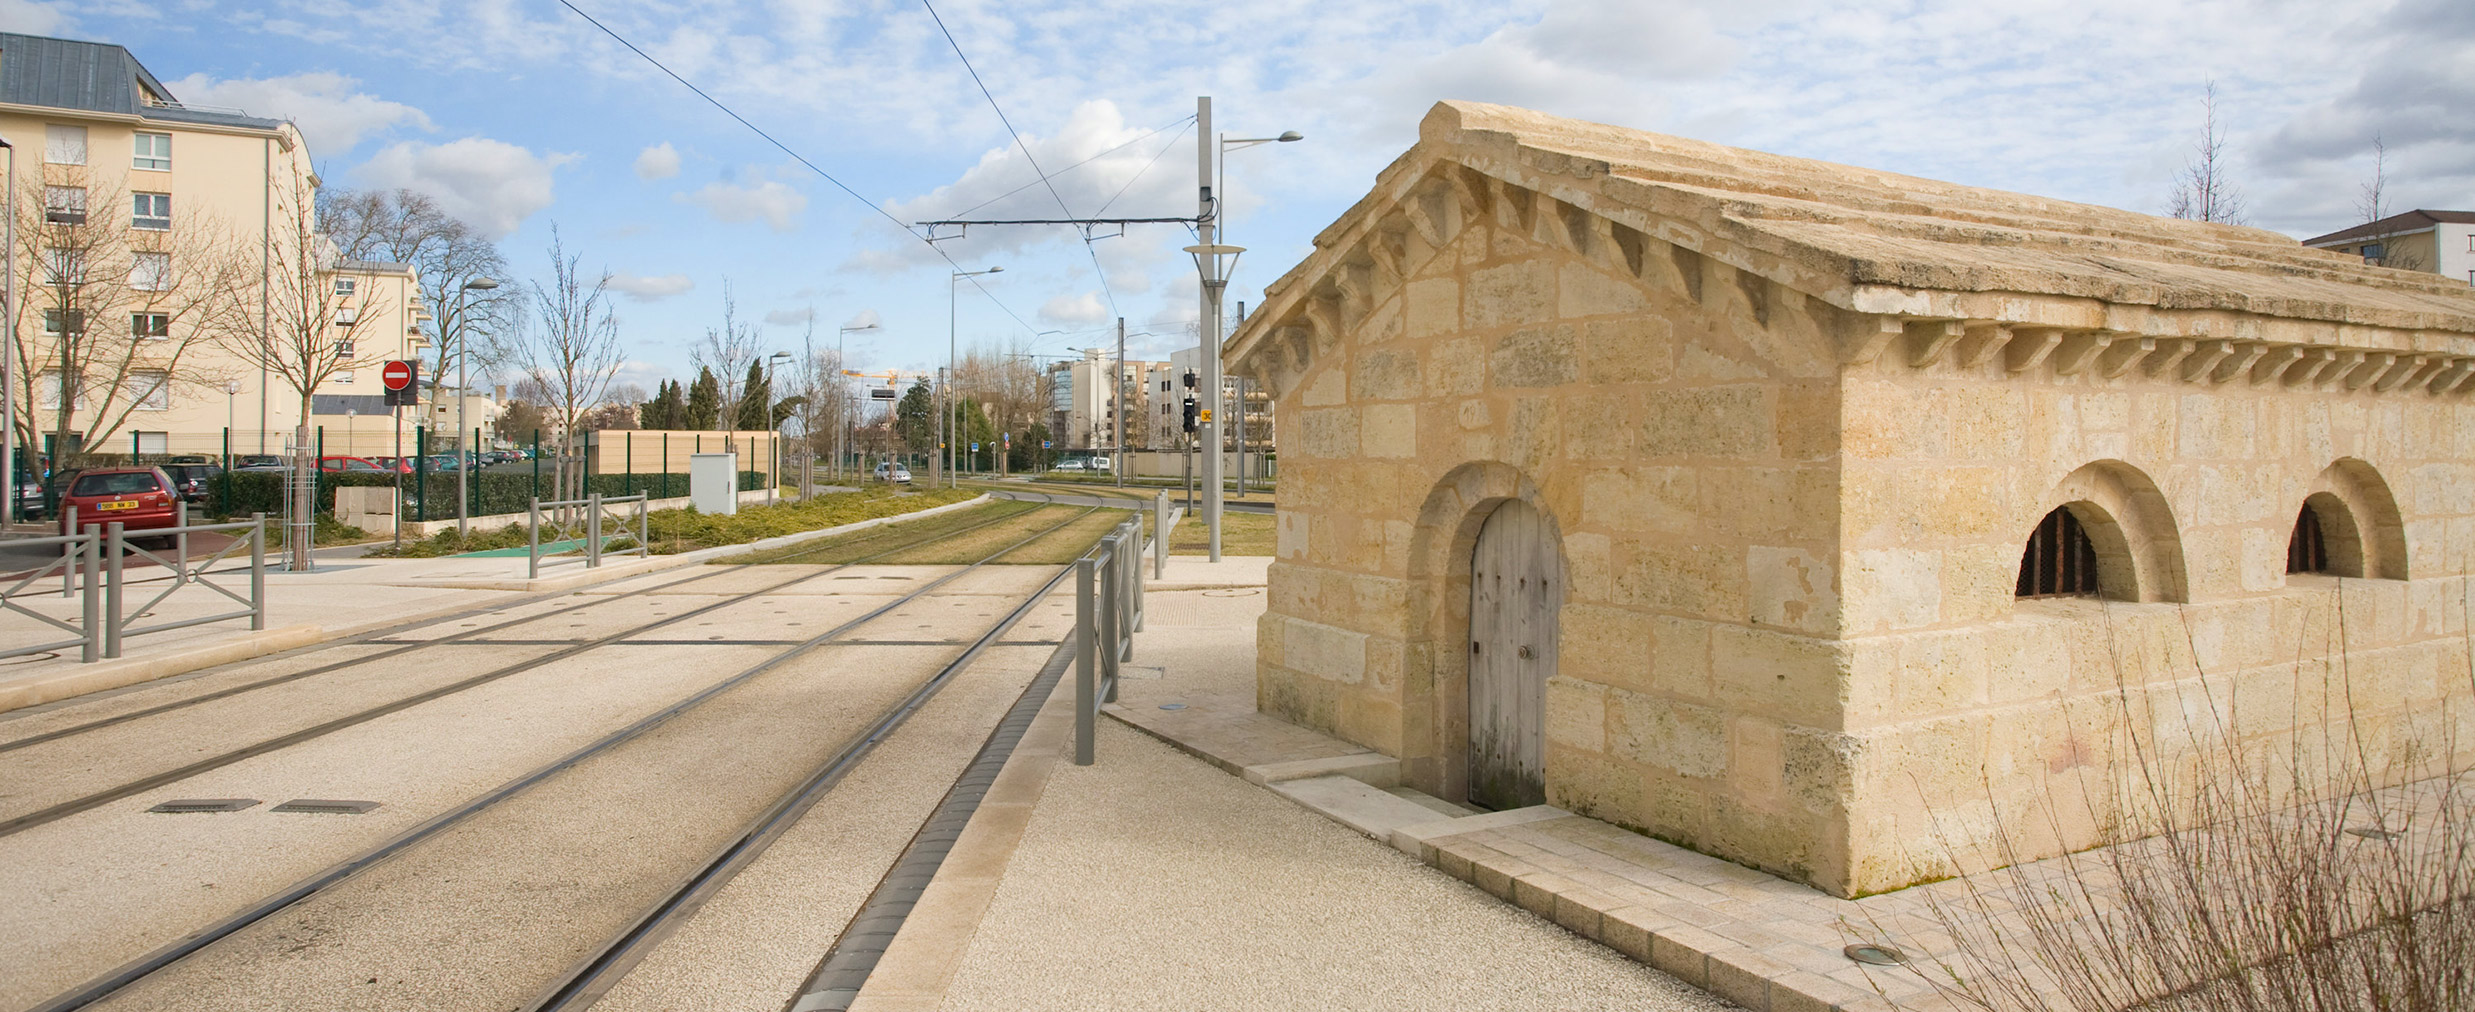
(139, 498)
(353, 465)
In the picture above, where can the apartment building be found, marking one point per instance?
(148, 249)
(2435, 242)
(1084, 405)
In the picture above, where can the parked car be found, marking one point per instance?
(895, 473)
(399, 465)
(257, 460)
(194, 481)
(349, 465)
(1069, 465)
(138, 498)
(31, 504)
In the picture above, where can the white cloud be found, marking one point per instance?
(648, 376)
(33, 17)
(866, 318)
(660, 161)
(731, 203)
(648, 289)
(1075, 310)
(333, 117)
(490, 185)
(790, 317)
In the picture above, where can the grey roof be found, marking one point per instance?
(360, 404)
(373, 266)
(97, 77)
(2411, 221)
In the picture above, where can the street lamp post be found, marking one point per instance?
(1215, 262)
(1229, 144)
(945, 415)
(773, 367)
(464, 462)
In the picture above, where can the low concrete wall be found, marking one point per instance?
(495, 521)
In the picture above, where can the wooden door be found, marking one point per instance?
(1516, 589)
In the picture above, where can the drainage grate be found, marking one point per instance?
(324, 806)
(184, 805)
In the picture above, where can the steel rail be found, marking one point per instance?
(73, 806)
(129, 973)
(398, 630)
(595, 975)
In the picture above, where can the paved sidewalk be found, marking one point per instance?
(1155, 880)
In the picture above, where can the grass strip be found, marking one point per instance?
(976, 545)
(1240, 534)
(1067, 543)
(858, 545)
(686, 530)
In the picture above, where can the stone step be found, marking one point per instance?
(1355, 803)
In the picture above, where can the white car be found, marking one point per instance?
(1068, 465)
(894, 473)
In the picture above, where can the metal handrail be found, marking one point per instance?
(581, 520)
(117, 619)
(76, 549)
(1108, 609)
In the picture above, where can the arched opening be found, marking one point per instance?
(2060, 560)
(2307, 550)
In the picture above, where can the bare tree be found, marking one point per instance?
(2372, 202)
(407, 227)
(728, 350)
(2204, 190)
(569, 354)
(115, 299)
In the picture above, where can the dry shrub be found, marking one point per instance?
(2224, 885)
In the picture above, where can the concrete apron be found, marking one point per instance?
(165, 656)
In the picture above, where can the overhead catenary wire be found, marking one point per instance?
(1096, 156)
(795, 156)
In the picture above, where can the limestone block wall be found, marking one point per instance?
(1963, 701)
(1674, 418)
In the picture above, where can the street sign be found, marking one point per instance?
(881, 393)
(403, 382)
(975, 446)
(1045, 444)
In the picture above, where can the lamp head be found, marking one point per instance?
(1287, 136)
(480, 285)
(996, 270)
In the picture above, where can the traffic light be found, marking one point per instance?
(1190, 381)
(1190, 409)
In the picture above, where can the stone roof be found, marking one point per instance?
(100, 77)
(1880, 242)
(2412, 221)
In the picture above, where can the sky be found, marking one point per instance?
(518, 115)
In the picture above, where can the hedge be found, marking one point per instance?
(240, 493)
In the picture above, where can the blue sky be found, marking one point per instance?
(519, 114)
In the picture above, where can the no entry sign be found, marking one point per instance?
(403, 382)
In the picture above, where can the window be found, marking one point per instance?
(2373, 250)
(47, 387)
(64, 145)
(153, 212)
(64, 205)
(343, 376)
(2307, 550)
(154, 151)
(117, 483)
(150, 272)
(2060, 561)
(54, 320)
(148, 390)
(343, 349)
(65, 267)
(343, 286)
(347, 316)
(150, 325)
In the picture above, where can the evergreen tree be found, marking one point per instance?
(755, 401)
(667, 409)
(704, 403)
(915, 418)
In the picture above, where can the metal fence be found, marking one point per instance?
(586, 521)
(1108, 611)
(94, 562)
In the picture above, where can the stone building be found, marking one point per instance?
(1783, 509)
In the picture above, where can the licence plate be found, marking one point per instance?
(130, 505)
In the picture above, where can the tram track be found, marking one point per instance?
(610, 960)
(395, 631)
(50, 813)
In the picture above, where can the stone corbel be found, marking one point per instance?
(2274, 361)
(2457, 370)
(2316, 363)
(2029, 347)
(1981, 343)
(2125, 352)
(2077, 350)
(1927, 338)
(2373, 364)
(2245, 353)
(2171, 352)
(1322, 308)
(2204, 357)
(1873, 335)
(2403, 368)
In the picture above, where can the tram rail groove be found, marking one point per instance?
(61, 810)
(381, 635)
(108, 984)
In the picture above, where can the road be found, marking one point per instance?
(536, 797)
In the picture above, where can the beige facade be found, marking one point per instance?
(1789, 425)
(1083, 414)
(2439, 242)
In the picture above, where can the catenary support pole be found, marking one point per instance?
(1208, 427)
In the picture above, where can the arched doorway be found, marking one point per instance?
(1516, 590)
